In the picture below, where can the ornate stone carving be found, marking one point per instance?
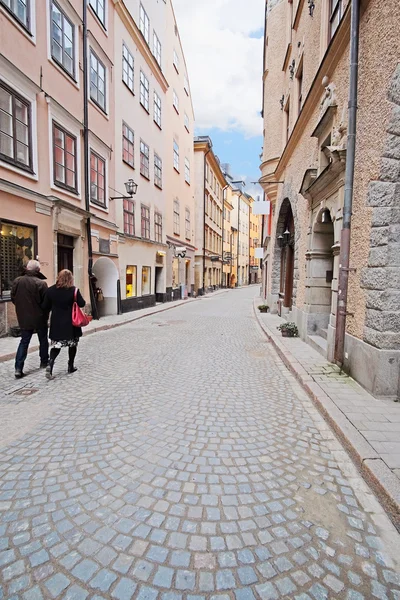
(329, 96)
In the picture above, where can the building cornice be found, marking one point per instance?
(140, 42)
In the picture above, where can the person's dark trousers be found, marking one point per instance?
(26, 335)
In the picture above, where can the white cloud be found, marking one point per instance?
(224, 62)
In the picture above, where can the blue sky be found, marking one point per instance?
(225, 73)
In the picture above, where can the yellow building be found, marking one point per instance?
(229, 275)
(254, 242)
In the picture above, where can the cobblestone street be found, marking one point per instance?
(182, 461)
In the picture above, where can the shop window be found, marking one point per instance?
(131, 279)
(17, 247)
(175, 273)
(146, 281)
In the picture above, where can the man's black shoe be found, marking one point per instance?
(19, 374)
(43, 365)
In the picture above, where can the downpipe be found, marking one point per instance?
(345, 239)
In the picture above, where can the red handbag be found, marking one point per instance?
(79, 319)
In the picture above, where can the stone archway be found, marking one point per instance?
(283, 273)
(106, 274)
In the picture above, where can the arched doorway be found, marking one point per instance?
(284, 254)
(106, 274)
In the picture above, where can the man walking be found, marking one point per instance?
(28, 292)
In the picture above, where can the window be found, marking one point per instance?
(15, 129)
(156, 48)
(146, 281)
(129, 217)
(97, 179)
(144, 160)
(175, 101)
(186, 122)
(177, 228)
(144, 91)
(62, 39)
(17, 247)
(144, 24)
(335, 16)
(176, 156)
(186, 84)
(287, 121)
(188, 233)
(157, 109)
(187, 170)
(99, 8)
(128, 145)
(97, 81)
(64, 158)
(131, 280)
(19, 9)
(145, 222)
(158, 227)
(157, 171)
(299, 77)
(127, 67)
(175, 273)
(176, 61)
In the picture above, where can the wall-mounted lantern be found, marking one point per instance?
(131, 189)
(311, 6)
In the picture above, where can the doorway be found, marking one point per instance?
(65, 252)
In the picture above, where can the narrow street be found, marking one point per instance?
(182, 461)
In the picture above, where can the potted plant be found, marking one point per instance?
(263, 308)
(288, 329)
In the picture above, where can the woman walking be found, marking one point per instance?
(59, 300)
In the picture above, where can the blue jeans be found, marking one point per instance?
(26, 335)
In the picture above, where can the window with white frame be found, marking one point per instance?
(97, 81)
(177, 218)
(157, 171)
(144, 160)
(99, 8)
(176, 60)
(176, 156)
(62, 39)
(187, 170)
(157, 109)
(64, 159)
(175, 101)
(187, 224)
(145, 222)
(144, 24)
(128, 145)
(144, 91)
(97, 179)
(158, 227)
(20, 9)
(156, 48)
(186, 121)
(15, 129)
(127, 67)
(186, 84)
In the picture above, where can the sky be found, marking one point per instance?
(223, 46)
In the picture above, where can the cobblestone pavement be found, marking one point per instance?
(182, 461)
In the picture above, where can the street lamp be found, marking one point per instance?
(280, 241)
(286, 236)
(131, 189)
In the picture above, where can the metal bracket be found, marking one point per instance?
(349, 269)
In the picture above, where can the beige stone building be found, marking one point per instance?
(178, 128)
(209, 185)
(229, 241)
(306, 95)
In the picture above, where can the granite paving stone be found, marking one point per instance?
(185, 464)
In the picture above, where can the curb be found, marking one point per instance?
(11, 356)
(373, 469)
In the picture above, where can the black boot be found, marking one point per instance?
(71, 359)
(54, 352)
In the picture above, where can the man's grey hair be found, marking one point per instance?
(33, 265)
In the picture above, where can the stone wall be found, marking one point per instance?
(381, 278)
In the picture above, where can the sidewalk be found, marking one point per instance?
(9, 345)
(368, 427)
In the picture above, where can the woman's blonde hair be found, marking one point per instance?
(65, 279)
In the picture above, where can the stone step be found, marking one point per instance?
(319, 344)
(323, 333)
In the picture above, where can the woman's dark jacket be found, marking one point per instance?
(60, 301)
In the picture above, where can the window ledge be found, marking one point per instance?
(128, 88)
(159, 126)
(177, 170)
(145, 177)
(144, 108)
(128, 164)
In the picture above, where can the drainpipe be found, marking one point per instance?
(344, 259)
(204, 217)
(93, 302)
